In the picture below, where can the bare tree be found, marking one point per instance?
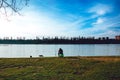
(12, 6)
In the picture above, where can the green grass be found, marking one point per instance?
(68, 68)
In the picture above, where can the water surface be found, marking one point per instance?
(52, 50)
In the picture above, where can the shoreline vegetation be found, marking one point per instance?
(85, 41)
(55, 68)
(61, 40)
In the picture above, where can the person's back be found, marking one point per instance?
(60, 53)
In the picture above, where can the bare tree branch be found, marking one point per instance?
(1, 3)
(14, 5)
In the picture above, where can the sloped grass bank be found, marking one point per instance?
(68, 68)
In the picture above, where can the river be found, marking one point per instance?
(47, 50)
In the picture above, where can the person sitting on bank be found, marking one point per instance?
(60, 53)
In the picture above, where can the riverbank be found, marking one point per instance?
(68, 68)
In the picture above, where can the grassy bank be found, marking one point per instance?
(69, 68)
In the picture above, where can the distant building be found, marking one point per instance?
(117, 37)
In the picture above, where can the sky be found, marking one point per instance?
(70, 18)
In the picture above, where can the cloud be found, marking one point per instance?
(100, 9)
(35, 23)
(106, 26)
(99, 21)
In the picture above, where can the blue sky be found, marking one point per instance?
(65, 18)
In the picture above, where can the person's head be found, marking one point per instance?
(60, 48)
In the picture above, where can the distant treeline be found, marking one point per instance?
(61, 40)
